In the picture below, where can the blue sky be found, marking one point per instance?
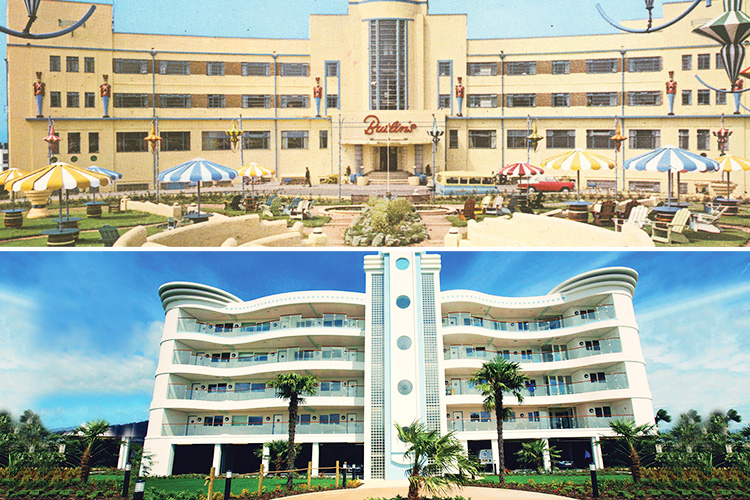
(289, 19)
(81, 329)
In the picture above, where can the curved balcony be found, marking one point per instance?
(247, 391)
(603, 346)
(533, 422)
(265, 428)
(327, 354)
(613, 381)
(189, 325)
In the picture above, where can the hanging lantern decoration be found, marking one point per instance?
(722, 136)
(745, 73)
(534, 139)
(153, 139)
(618, 138)
(52, 138)
(729, 29)
(234, 135)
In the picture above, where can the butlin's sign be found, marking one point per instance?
(375, 127)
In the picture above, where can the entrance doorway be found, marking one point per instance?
(388, 159)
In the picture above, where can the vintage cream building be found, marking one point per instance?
(385, 60)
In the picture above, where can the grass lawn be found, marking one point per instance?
(551, 478)
(238, 484)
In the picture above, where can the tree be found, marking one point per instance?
(532, 453)
(277, 451)
(492, 379)
(90, 433)
(632, 435)
(438, 462)
(662, 416)
(293, 387)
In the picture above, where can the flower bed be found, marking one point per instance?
(389, 223)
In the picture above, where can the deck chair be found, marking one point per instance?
(235, 203)
(302, 212)
(496, 207)
(288, 209)
(468, 210)
(706, 222)
(605, 214)
(671, 232)
(486, 202)
(109, 234)
(519, 203)
(269, 202)
(638, 216)
(536, 200)
(113, 206)
(625, 212)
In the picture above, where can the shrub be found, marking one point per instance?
(386, 223)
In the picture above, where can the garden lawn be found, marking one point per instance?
(192, 484)
(551, 478)
(86, 238)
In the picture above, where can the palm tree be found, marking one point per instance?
(662, 416)
(90, 433)
(492, 379)
(632, 434)
(438, 462)
(532, 453)
(293, 387)
(276, 450)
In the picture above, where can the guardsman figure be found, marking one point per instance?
(738, 85)
(671, 91)
(317, 94)
(39, 94)
(105, 90)
(460, 92)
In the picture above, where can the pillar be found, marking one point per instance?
(122, 458)
(315, 458)
(495, 455)
(217, 459)
(267, 457)
(546, 457)
(596, 451)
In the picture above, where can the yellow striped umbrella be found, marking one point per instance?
(729, 164)
(253, 170)
(9, 175)
(578, 159)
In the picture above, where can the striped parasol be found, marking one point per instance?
(113, 176)
(253, 170)
(578, 159)
(729, 164)
(198, 170)
(9, 175)
(520, 169)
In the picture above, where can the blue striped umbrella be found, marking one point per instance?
(671, 159)
(198, 170)
(105, 171)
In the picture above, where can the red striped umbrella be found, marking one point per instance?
(521, 169)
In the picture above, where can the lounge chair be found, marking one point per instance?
(302, 212)
(496, 207)
(605, 214)
(671, 232)
(288, 209)
(109, 234)
(707, 222)
(235, 203)
(486, 202)
(519, 203)
(626, 209)
(469, 209)
(536, 200)
(638, 216)
(269, 202)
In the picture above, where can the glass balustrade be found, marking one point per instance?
(215, 392)
(535, 423)
(287, 322)
(266, 428)
(520, 355)
(457, 387)
(215, 360)
(599, 313)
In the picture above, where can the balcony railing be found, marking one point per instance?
(535, 422)
(612, 382)
(599, 313)
(287, 322)
(328, 354)
(183, 391)
(605, 346)
(266, 428)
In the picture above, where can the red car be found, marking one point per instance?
(546, 183)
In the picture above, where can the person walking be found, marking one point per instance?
(307, 177)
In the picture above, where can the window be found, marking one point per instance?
(294, 101)
(599, 377)
(704, 140)
(533, 416)
(294, 69)
(645, 98)
(131, 100)
(516, 139)
(323, 138)
(561, 139)
(601, 66)
(482, 139)
(174, 100)
(704, 97)
(215, 141)
(131, 66)
(599, 139)
(645, 139)
(256, 101)
(54, 63)
(332, 386)
(55, 99)
(482, 101)
(604, 411)
(73, 99)
(253, 420)
(388, 63)
(89, 99)
(648, 186)
(444, 101)
(601, 99)
(521, 68)
(304, 419)
(560, 67)
(88, 65)
(687, 62)
(217, 421)
(332, 69)
(684, 141)
(719, 61)
(256, 140)
(71, 64)
(294, 139)
(453, 139)
(174, 67)
(444, 68)
(131, 142)
(256, 69)
(332, 101)
(687, 97)
(561, 100)
(593, 345)
(216, 101)
(481, 69)
(644, 64)
(175, 141)
(704, 61)
(521, 100)
(74, 143)
(721, 98)
(215, 69)
(93, 142)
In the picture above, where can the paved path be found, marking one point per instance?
(389, 489)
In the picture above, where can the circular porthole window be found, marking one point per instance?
(53, 159)
(403, 302)
(402, 263)
(73, 159)
(403, 342)
(405, 387)
(94, 158)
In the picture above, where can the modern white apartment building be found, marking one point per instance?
(403, 350)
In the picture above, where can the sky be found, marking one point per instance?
(80, 331)
(289, 19)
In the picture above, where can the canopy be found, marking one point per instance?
(670, 158)
(254, 170)
(57, 176)
(9, 175)
(731, 164)
(198, 170)
(104, 171)
(520, 169)
(578, 159)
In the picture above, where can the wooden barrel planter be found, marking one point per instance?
(578, 213)
(13, 218)
(732, 206)
(61, 237)
(94, 210)
(665, 214)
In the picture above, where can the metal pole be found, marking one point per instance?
(434, 147)
(228, 485)
(594, 483)
(275, 117)
(388, 163)
(528, 142)
(140, 485)
(622, 122)
(153, 115)
(340, 120)
(156, 160)
(126, 481)
(242, 157)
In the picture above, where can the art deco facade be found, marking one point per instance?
(403, 350)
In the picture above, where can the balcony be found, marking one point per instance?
(605, 346)
(327, 354)
(190, 325)
(534, 422)
(613, 381)
(599, 313)
(266, 428)
(230, 392)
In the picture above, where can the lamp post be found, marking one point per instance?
(435, 133)
(649, 8)
(32, 7)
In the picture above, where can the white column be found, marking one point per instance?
(267, 457)
(217, 459)
(495, 455)
(546, 457)
(597, 452)
(122, 458)
(315, 458)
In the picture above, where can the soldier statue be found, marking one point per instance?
(317, 94)
(671, 91)
(39, 94)
(460, 92)
(105, 90)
